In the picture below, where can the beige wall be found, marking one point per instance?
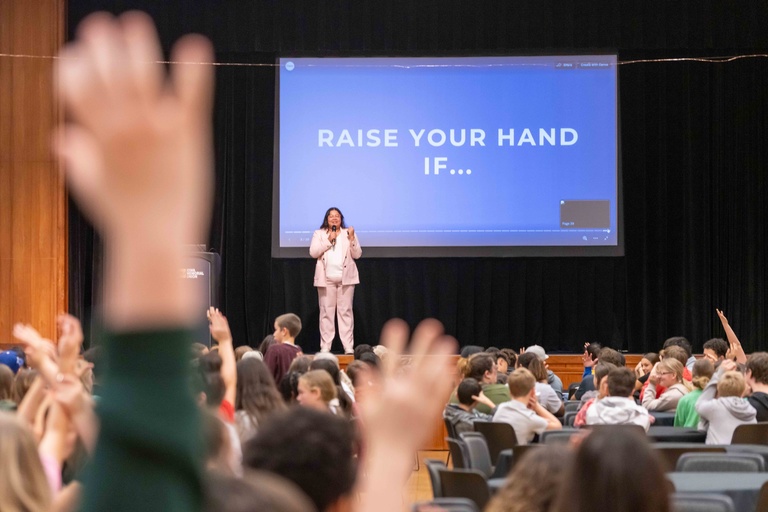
(33, 222)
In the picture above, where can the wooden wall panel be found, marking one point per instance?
(33, 236)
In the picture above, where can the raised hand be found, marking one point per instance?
(70, 341)
(398, 415)
(219, 326)
(735, 351)
(137, 152)
(351, 233)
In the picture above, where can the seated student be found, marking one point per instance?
(312, 449)
(502, 363)
(643, 370)
(511, 359)
(716, 349)
(673, 352)
(463, 415)
(526, 415)
(606, 355)
(685, 414)
(667, 373)
(544, 392)
(552, 379)
(683, 343)
(317, 391)
(618, 407)
(482, 368)
(757, 379)
(721, 415)
(589, 357)
(590, 397)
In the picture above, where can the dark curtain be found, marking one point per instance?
(693, 151)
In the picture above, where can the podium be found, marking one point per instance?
(201, 273)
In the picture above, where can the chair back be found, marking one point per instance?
(433, 468)
(609, 428)
(557, 436)
(756, 433)
(446, 504)
(670, 453)
(457, 450)
(465, 483)
(449, 428)
(521, 449)
(572, 405)
(702, 503)
(721, 462)
(569, 418)
(478, 456)
(499, 436)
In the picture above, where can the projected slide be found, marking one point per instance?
(492, 152)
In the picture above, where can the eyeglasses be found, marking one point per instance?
(666, 373)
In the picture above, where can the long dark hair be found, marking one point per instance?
(324, 225)
(601, 479)
(257, 393)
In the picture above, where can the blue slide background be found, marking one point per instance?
(513, 194)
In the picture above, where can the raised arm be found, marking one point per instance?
(736, 350)
(138, 159)
(221, 333)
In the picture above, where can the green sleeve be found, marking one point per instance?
(149, 453)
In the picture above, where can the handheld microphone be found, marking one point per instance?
(333, 242)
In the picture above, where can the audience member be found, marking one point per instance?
(253, 354)
(606, 355)
(533, 484)
(677, 352)
(6, 389)
(241, 351)
(12, 360)
(463, 415)
(667, 373)
(544, 392)
(715, 349)
(361, 349)
(512, 359)
(343, 404)
(267, 342)
(256, 490)
(685, 414)
(682, 342)
(310, 448)
(279, 358)
(615, 470)
(757, 379)
(482, 368)
(618, 407)
(590, 397)
(502, 363)
(526, 415)
(470, 350)
(643, 369)
(317, 390)
(722, 414)
(552, 379)
(257, 397)
(23, 482)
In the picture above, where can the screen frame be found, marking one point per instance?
(512, 251)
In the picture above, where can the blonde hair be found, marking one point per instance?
(731, 384)
(673, 365)
(321, 380)
(521, 382)
(702, 373)
(23, 484)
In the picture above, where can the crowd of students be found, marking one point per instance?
(147, 420)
